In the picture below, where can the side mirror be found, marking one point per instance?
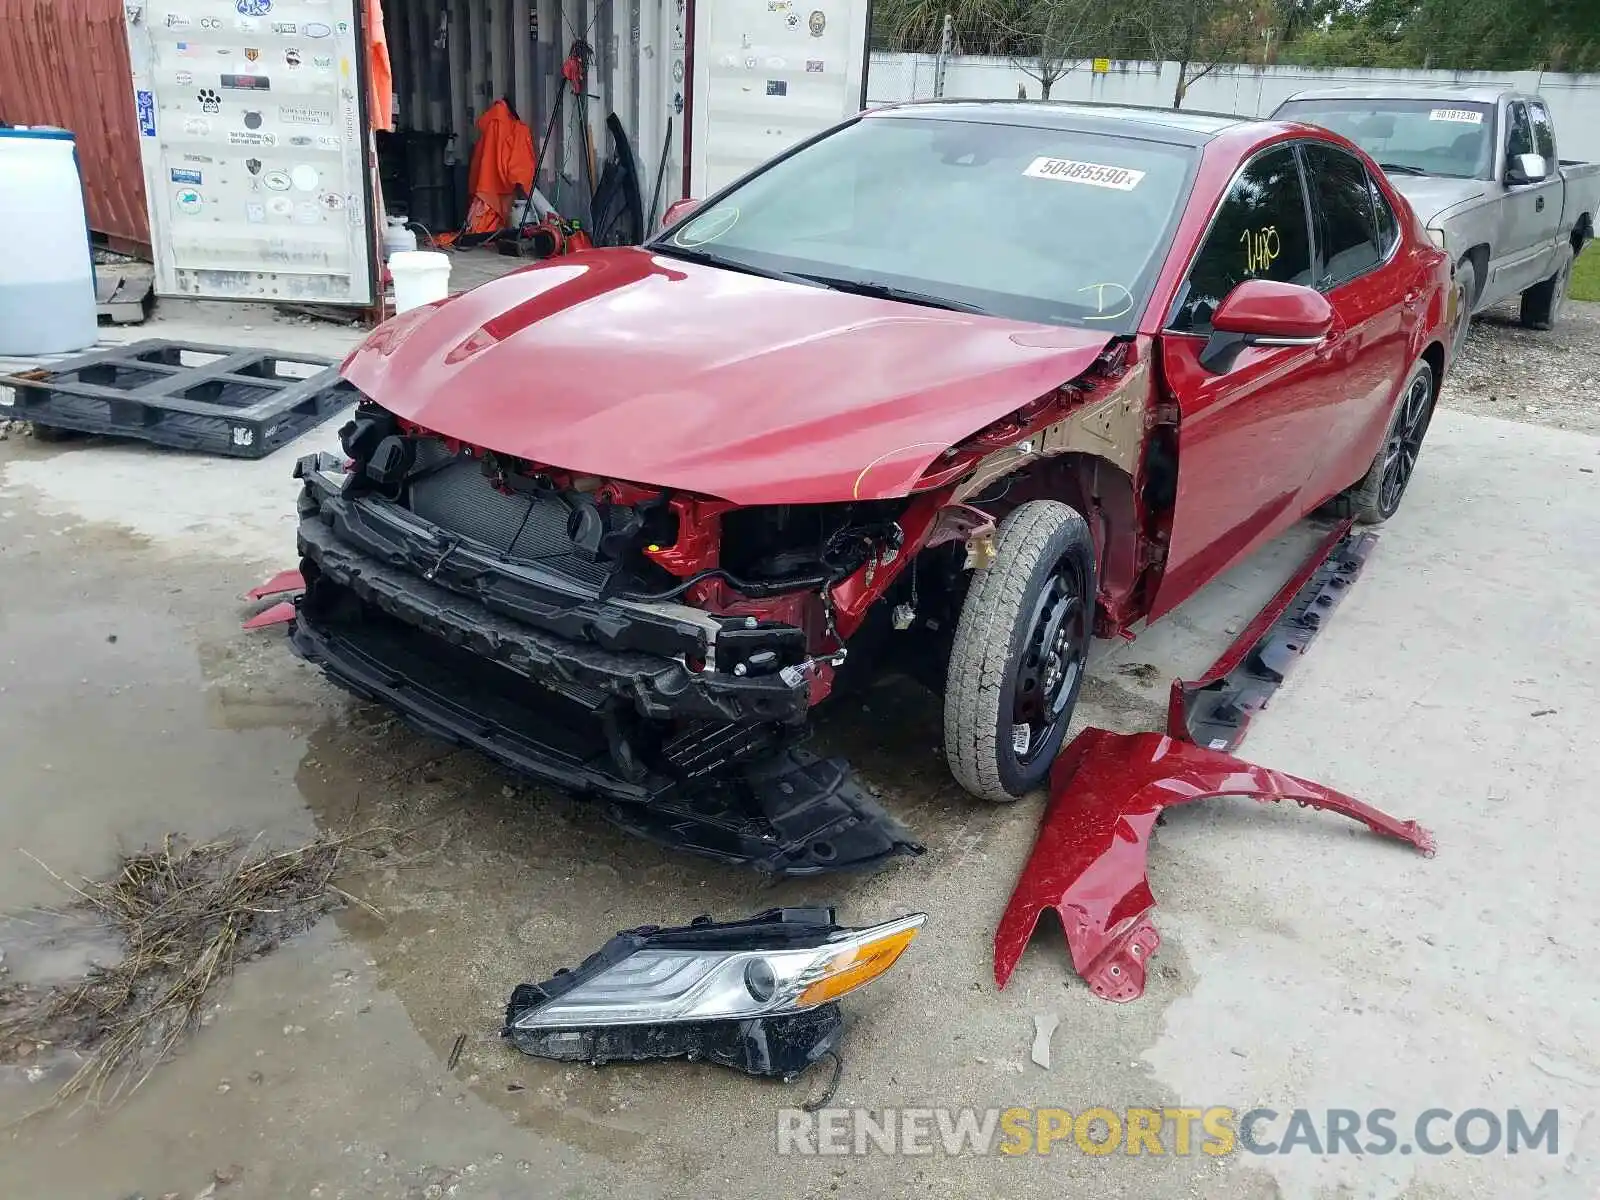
(678, 210)
(1262, 312)
(1527, 168)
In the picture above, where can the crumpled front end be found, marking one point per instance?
(520, 613)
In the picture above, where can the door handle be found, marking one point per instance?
(1538, 205)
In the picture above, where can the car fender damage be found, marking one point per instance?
(1088, 862)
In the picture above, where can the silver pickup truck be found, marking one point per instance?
(1479, 166)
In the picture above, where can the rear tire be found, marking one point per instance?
(1542, 303)
(1020, 650)
(1377, 497)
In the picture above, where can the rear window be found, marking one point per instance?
(1409, 137)
(1047, 225)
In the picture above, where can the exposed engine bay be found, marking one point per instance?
(654, 647)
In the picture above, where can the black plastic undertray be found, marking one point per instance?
(190, 396)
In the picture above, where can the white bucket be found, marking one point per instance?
(420, 277)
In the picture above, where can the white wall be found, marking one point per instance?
(1253, 91)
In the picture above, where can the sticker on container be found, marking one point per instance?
(316, 29)
(177, 21)
(252, 119)
(814, 66)
(239, 138)
(253, 8)
(331, 201)
(179, 175)
(326, 141)
(210, 22)
(305, 177)
(247, 83)
(187, 49)
(291, 57)
(253, 165)
(199, 158)
(255, 213)
(1070, 170)
(251, 53)
(196, 126)
(792, 20)
(146, 104)
(210, 102)
(307, 214)
(1461, 116)
(777, 87)
(302, 140)
(188, 201)
(277, 181)
(184, 78)
(285, 28)
(280, 206)
(297, 114)
(322, 62)
(817, 22)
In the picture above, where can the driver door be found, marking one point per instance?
(1248, 435)
(1529, 215)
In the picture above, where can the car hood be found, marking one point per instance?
(641, 367)
(1431, 195)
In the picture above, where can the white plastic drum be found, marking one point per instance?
(47, 300)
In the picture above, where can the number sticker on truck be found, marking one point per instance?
(1095, 174)
(1464, 116)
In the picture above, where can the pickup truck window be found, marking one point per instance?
(1520, 138)
(1259, 232)
(1347, 226)
(1544, 133)
(1409, 137)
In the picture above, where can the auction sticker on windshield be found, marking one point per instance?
(1464, 116)
(1073, 171)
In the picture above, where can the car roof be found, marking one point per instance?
(1380, 90)
(1158, 124)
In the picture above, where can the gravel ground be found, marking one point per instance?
(1524, 375)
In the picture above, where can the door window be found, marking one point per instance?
(1388, 223)
(1347, 227)
(1259, 232)
(1544, 134)
(1520, 139)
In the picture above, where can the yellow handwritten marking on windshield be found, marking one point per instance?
(689, 238)
(855, 492)
(1261, 246)
(1121, 297)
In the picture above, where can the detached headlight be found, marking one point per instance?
(756, 994)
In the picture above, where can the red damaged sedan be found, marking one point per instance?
(951, 389)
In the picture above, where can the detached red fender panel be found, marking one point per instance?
(1106, 791)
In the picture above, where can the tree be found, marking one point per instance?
(1052, 36)
(1201, 35)
(918, 25)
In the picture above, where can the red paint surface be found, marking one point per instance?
(280, 613)
(1088, 863)
(638, 367)
(284, 581)
(628, 364)
(1263, 306)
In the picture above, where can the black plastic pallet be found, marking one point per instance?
(216, 399)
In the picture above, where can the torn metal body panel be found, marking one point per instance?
(759, 995)
(1088, 862)
(1215, 710)
(280, 584)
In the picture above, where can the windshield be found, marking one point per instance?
(1036, 224)
(1426, 137)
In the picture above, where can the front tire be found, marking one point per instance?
(1376, 498)
(1021, 647)
(1542, 303)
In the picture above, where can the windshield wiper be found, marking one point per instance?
(1403, 168)
(730, 264)
(886, 291)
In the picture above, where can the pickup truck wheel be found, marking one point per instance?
(1021, 647)
(1466, 290)
(1542, 303)
(1376, 498)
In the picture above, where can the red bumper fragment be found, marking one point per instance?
(1088, 863)
(283, 581)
